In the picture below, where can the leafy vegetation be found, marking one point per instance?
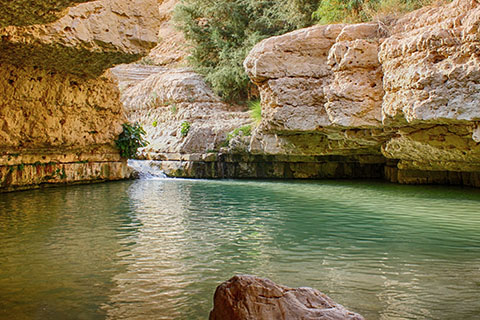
(242, 131)
(185, 128)
(130, 140)
(222, 32)
(350, 11)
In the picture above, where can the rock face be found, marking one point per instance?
(408, 92)
(89, 39)
(26, 12)
(432, 82)
(321, 91)
(250, 298)
(179, 112)
(186, 122)
(60, 111)
(171, 49)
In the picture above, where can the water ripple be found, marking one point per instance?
(157, 248)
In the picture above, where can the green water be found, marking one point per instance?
(156, 249)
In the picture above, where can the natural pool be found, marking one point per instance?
(157, 248)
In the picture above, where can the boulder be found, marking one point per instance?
(246, 297)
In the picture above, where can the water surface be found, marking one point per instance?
(157, 248)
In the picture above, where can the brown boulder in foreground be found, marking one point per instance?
(247, 297)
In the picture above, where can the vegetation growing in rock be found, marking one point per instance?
(255, 110)
(221, 33)
(130, 140)
(184, 128)
(245, 131)
(332, 11)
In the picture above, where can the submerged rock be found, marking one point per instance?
(247, 297)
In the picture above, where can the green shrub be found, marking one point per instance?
(243, 131)
(350, 11)
(185, 128)
(130, 140)
(221, 33)
(255, 110)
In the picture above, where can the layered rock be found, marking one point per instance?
(89, 39)
(248, 297)
(186, 122)
(60, 111)
(432, 82)
(183, 118)
(408, 93)
(321, 91)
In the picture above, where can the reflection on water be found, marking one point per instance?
(156, 249)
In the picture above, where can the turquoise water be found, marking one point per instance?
(156, 249)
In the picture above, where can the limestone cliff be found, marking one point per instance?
(185, 121)
(371, 100)
(60, 111)
(406, 92)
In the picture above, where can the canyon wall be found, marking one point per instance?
(60, 109)
(185, 121)
(390, 99)
(406, 92)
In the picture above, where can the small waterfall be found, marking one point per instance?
(147, 169)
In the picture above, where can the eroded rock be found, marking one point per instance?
(60, 110)
(408, 91)
(179, 112)
(27, 12)
(87, 40)
(250, 298)
(184, 119)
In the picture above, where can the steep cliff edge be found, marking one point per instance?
(60, 111)
(407, 93)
